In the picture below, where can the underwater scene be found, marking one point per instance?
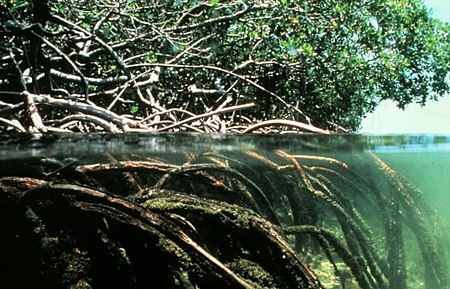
(224, 211)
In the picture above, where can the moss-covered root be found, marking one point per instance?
(238, 236)
(69, 236)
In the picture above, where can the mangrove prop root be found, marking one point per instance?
(265, 207)
(261, 242)
(112, 208)
(211, 221)
(53, 202)
(330, 240)
(220, 226)
(435, 273)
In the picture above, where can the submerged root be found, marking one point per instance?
(134, 237)
(211, 221)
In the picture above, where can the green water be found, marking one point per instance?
(358, 221)
(429, 171)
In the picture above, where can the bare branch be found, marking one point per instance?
(14, 123)
(289, 123)
(90, 80)
(197, 117)
(308, 119)
(33, 112)
(123, 123)
(113, 53)
(70, 62)
(108, 126)
(212, 21)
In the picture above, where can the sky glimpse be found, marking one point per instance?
(434, 118)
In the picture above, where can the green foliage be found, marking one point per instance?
(134, 109)
(333, 60)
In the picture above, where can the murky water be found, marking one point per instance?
(363, 212)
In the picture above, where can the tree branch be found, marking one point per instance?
(209, 22)
(284, 122)
(123, 123)
(33, 112)
(200, 116)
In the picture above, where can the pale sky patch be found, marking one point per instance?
(433, 118)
